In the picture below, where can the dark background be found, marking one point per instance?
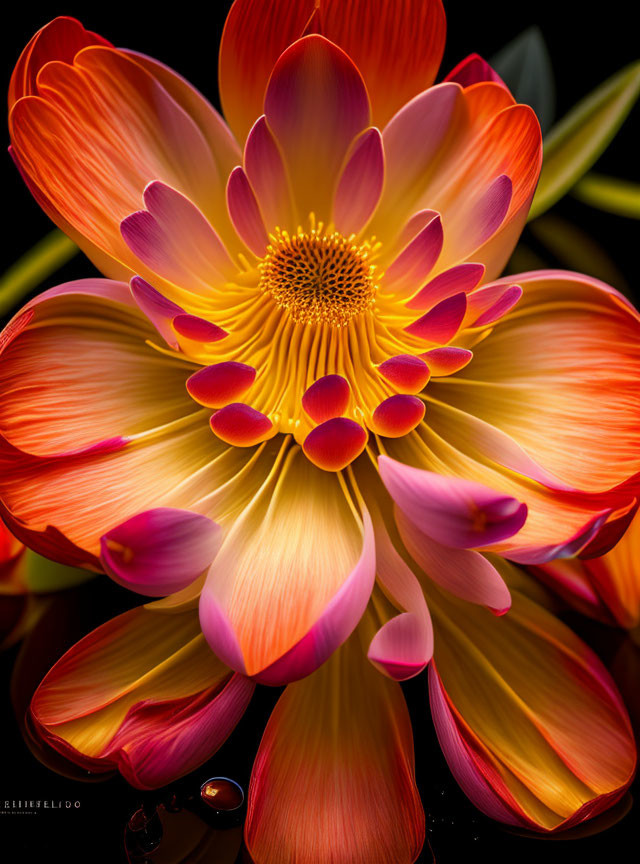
(586, 47)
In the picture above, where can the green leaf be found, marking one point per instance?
(609, 193)
(36, 265)
(574, 144)
(525, 67)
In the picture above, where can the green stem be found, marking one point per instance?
(36, 265)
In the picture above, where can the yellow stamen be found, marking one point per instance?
(318, 277)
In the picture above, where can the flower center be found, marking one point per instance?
(318, 277)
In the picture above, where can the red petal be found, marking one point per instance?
(221, 383)
(326, 398)
(241, 425)
(398, 415)
(407, 373)
(335, 443)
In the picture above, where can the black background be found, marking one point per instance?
(586, 45)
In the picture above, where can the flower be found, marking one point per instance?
(241, 430)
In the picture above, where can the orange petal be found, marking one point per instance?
(449, 146)
(561, 376)
(60, 39)
(98, 128)
(529, 720)
(341, 737)
(314, 584)
(123, 390)
(96, 425)
(142, 693)
(397, 47)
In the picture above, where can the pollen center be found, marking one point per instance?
(318, 277)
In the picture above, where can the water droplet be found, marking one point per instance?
(143, 833)
(223, 794)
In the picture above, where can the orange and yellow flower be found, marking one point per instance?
(303, 377)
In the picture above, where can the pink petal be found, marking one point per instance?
(576, 581)
(413, 138)
(491, 303)
(189, 228)
(473, 225)
(413, 227)
(197, 329)
(472, 70)
(360, 184)
(528, 718)
(159, 743)
(148, 242)
(157, 308)
(452, 511)
(490, 209)
(265, 170)
(440, 324)
(160, 551)
(463, 572)
(411, 267)
(404, 645)
(175, 240)
(316, 104)
(335, 624)
(400, 647)
(540, 554)
(245, 212)
(462, 278)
